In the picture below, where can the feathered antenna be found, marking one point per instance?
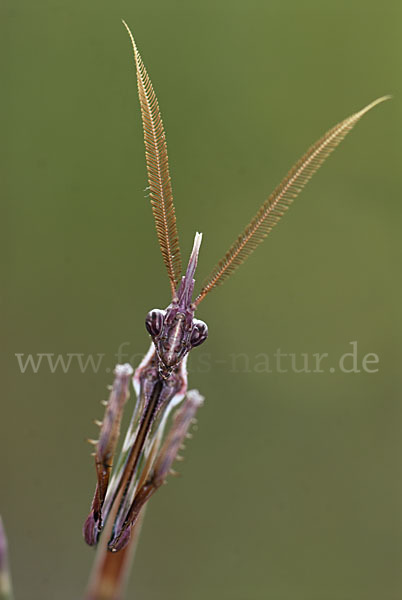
(280, 200)
(158, 171)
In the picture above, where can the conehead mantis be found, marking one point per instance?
(160, 381)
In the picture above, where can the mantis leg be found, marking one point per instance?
(105, 449)
(153, 478)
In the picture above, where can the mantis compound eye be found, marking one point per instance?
(199, 333)
(154, 321)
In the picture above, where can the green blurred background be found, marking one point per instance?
(292, 486)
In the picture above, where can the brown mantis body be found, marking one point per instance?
(160, 382)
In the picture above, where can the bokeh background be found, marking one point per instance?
(292, 485)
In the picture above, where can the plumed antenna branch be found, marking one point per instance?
(158, 171)
(279, 201)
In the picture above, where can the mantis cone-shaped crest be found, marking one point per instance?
(175, 331)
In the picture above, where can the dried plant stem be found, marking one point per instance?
(111, 569)
(6, 592)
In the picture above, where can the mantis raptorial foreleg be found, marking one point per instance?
(139, 472)
(152, 479)
(106, 448)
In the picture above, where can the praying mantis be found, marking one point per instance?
(160, 381)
